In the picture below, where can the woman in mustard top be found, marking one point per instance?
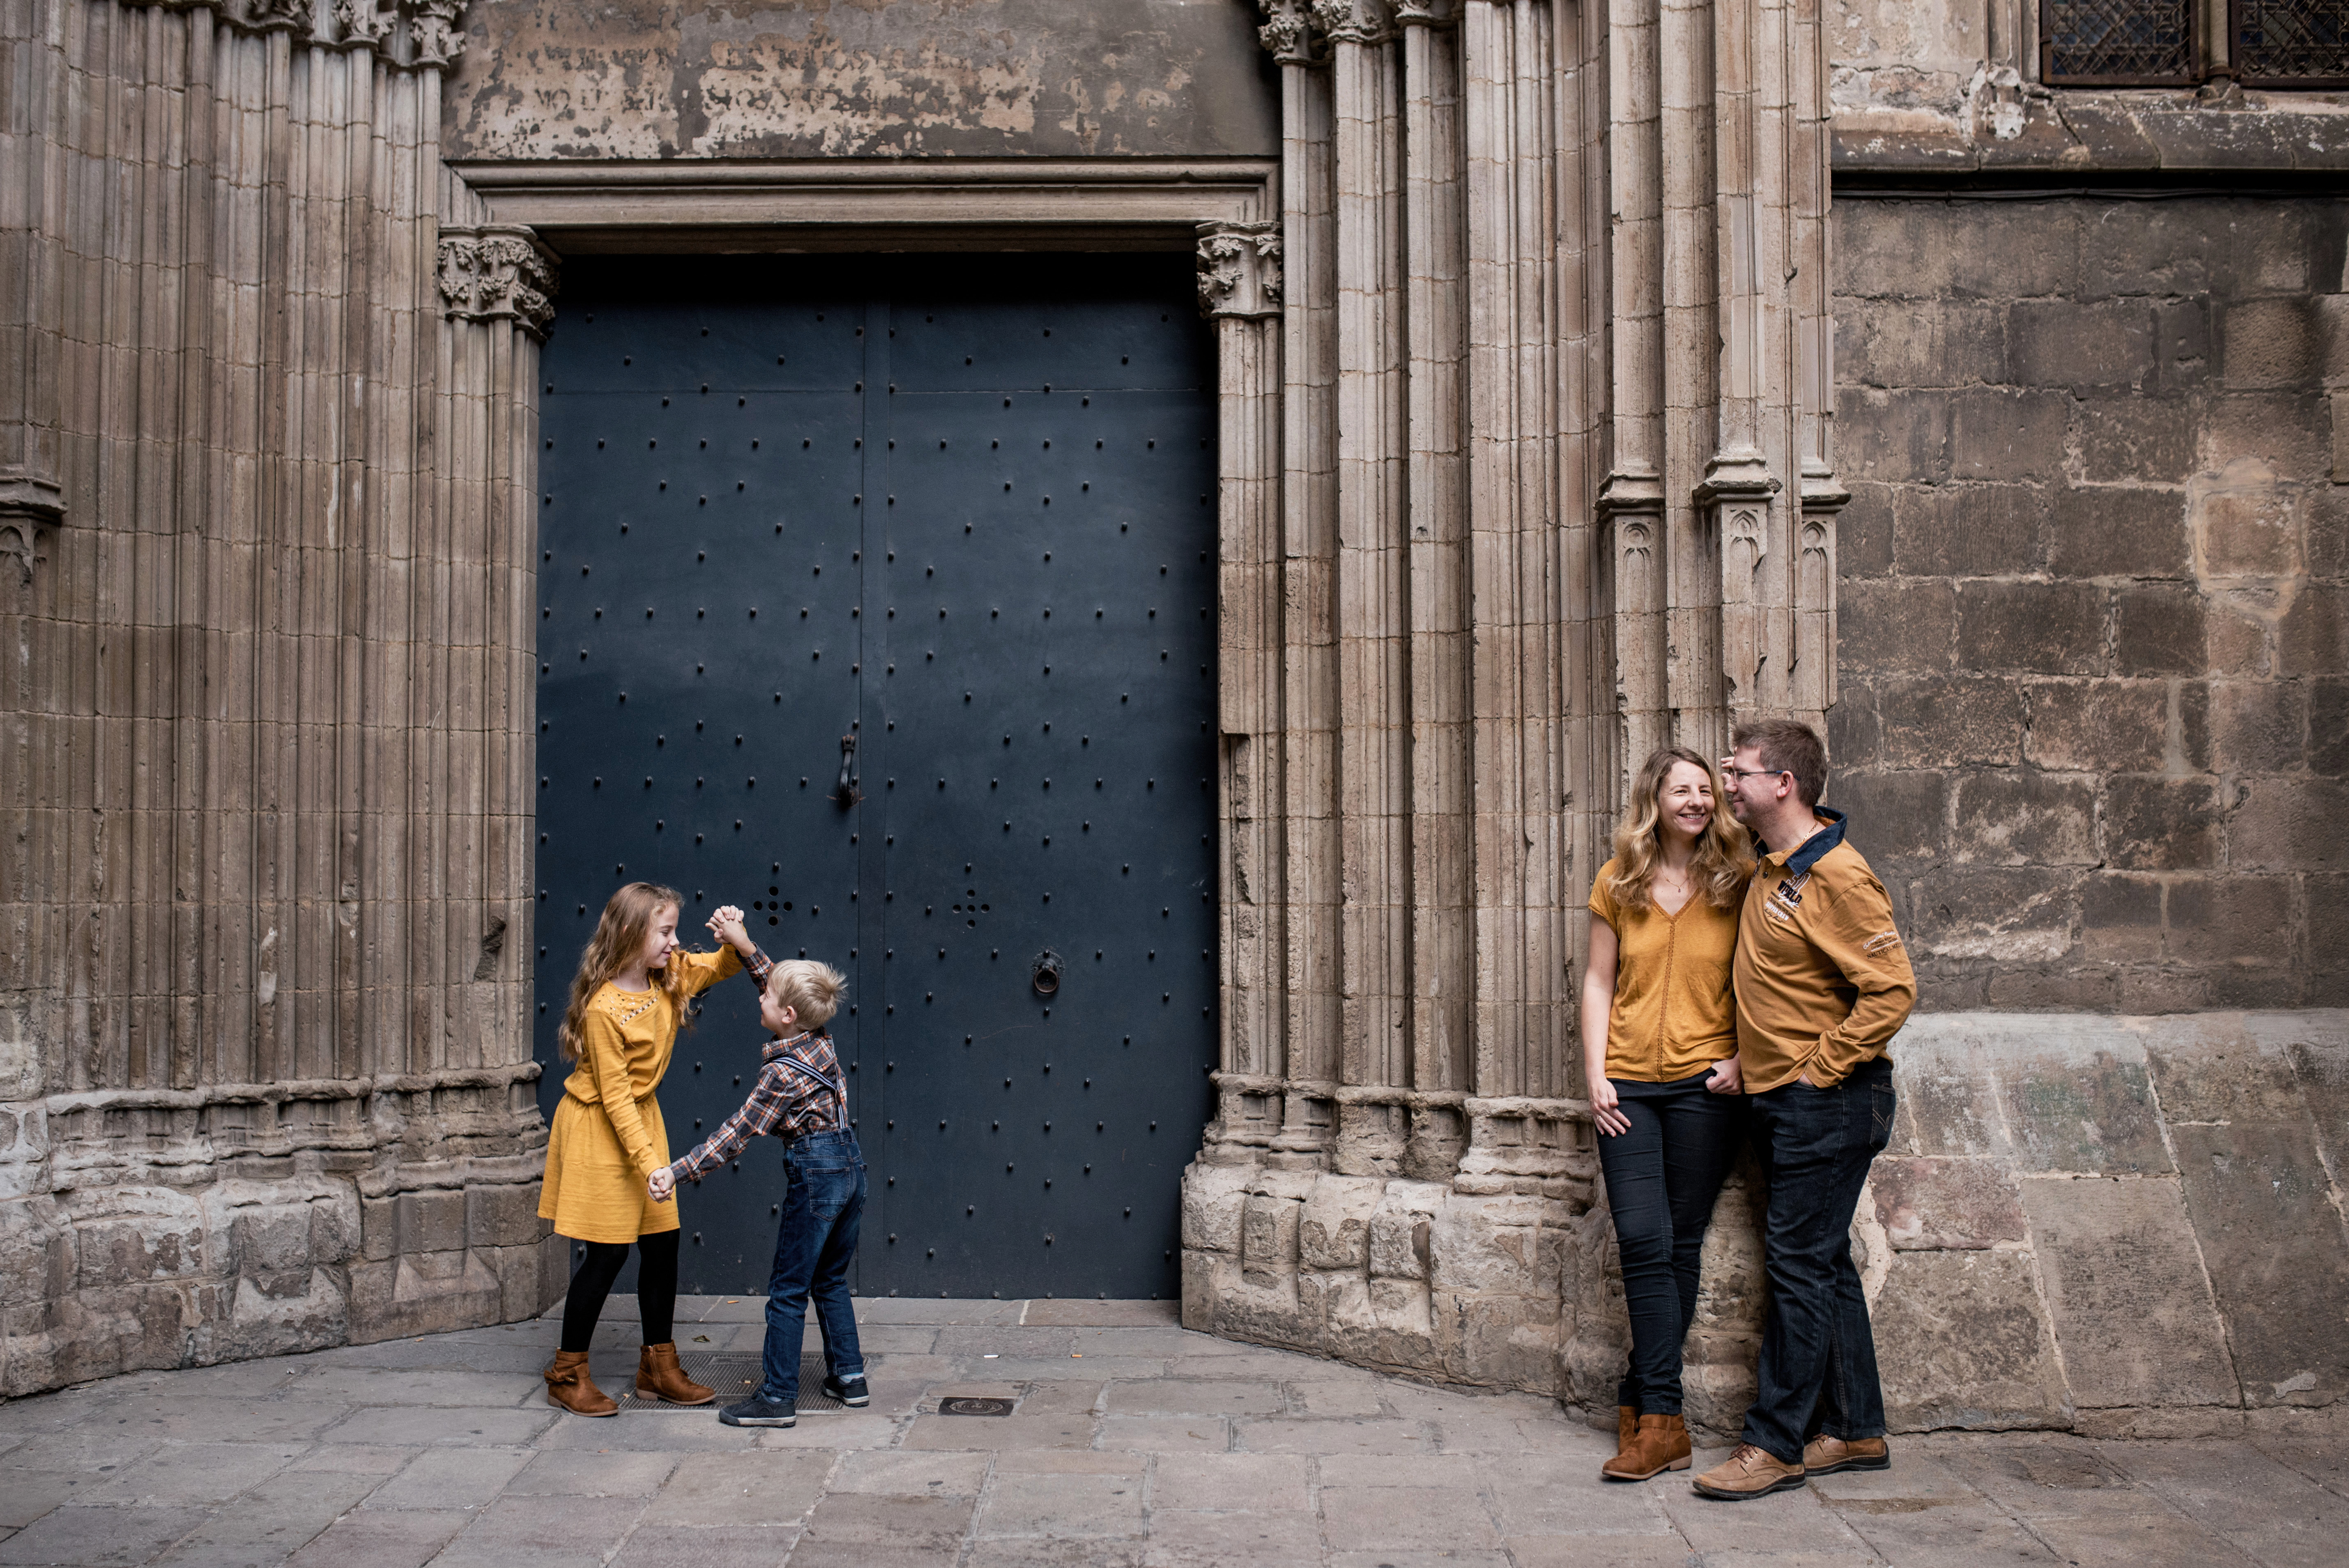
(630, 996)
(1659, 1054)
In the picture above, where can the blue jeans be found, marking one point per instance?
(1818, 1354)
(814, 1247)
(1663, 1177)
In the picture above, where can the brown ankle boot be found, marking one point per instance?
(1627, 1421)
(568, 1384)
(1661, 1443)
(660, 1376)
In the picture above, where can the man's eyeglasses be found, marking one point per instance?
(1757, 772)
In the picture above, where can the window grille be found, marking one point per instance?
(2124, 43)
(2289, 43)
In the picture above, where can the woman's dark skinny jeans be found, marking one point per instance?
(1663, 1177)
(815, 1244)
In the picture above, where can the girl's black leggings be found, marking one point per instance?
(592, 1280)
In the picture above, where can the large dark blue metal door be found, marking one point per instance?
(962, 511)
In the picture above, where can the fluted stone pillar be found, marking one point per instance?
(1555, 487)
(267, 404)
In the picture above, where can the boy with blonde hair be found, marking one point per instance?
(801, 1097)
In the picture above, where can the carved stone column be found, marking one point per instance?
(1240, 291)
(1556, 488)
(1442, 932)
(1311, 886)
(271, 791)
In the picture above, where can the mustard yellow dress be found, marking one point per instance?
(608, 1138)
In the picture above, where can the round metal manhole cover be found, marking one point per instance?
(960, 1405)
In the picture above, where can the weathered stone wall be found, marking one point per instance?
(265, 695)
(2108, 1225)
(862, 79)
(1935, 89)
(2094, 604)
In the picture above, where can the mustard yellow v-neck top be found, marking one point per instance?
(1673, 1015)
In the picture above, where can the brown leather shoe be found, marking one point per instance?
(1748, 1473)
(1661, 1443)
(659, 1377)
(1823, 1455)
(568, 1384)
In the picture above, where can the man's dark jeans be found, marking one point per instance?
(1663, 1177)
(1818, 1355)
(814, 1247)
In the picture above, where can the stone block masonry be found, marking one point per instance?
(2115, 1226)
(265, 694)
(2095, 595)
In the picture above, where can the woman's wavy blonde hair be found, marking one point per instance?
(1723, 861)
(619, 936)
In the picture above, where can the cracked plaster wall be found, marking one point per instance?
(552, 79)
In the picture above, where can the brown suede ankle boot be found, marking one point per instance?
(659, 1375)
(568, 1384)
(1627, 1421)
(1661, 1443)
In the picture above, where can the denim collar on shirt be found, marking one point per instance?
(1808, 853)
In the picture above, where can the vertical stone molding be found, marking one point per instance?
(265, 1064)
(1555, 488)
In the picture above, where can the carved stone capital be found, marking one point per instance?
(435, 29)
(363, 23)
(434, 26)
(1425, 13)
(1355, 21)
(498, 272)
(1240, 270)
(1289, 32)
(279, 15)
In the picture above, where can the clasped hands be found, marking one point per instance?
(726, 924)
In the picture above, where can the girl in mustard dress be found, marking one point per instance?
(1659, 1053)
(630, 997)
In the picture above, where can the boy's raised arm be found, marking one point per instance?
(726, 924)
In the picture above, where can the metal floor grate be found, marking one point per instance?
(735, 1376)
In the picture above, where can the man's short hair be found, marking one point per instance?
(1788, 746)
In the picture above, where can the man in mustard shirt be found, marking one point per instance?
(1823, 984)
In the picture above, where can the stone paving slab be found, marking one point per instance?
(1132, 1444)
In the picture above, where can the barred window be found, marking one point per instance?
(2289, 43)
(2119, 43)
(2182, 43)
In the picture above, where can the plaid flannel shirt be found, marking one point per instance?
(791, 1099)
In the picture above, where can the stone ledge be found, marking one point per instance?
(2073, 137)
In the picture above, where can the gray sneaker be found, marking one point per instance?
(755, 1411)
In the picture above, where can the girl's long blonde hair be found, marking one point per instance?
(619, 936)
(1723, 861)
